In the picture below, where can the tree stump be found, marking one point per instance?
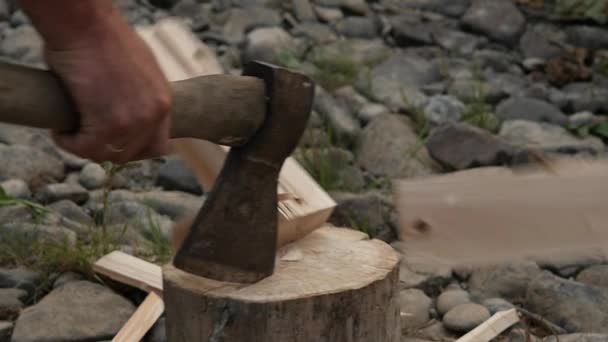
(334, 285)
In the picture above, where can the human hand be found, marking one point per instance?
(120, 92)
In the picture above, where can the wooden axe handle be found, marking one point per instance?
(223, 109)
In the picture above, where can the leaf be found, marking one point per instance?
(596, 10)
(601, 130)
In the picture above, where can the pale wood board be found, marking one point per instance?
(132, 271)
(304, 205)
(495, 217)
(491, 328)
(142, 320)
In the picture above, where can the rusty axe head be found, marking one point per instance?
(233, 237)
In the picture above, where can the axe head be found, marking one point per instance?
(234, 236)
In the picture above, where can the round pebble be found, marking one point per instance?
(465, 317)
(451, 299)
(495, 305)
(16, 188)
(415, 308)
(93, 176)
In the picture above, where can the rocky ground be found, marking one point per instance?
(406, 88)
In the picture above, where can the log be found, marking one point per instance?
(333, 285)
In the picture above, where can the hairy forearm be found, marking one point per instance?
(66, 24)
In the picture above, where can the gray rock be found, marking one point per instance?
(459, 146)
(469, 90)
(328, 14)
(137, 216)
(240, 21)
(364, 52)
(351, 98)
(11, 303)
(342, 122)
(522, 335)
(452, 8)
(465, 317)
(424, 272)
(500, 20)
(458, 42)
(137, 176)
(29, 164)
(354, 6)
(397, 81)
(536, 43)
(568, 265)
(495, 305)
(370, 111)
(409, 29)
(494, 60)
(590, 37)
(23, 44)
(72, 211)
(582, 119)
(521, 108)
(176, 174)
(450, 299)
(77, 311)
(509, 281)
(580, 337)
(415, 309)
(383, 145)
(19, 18)
(547, 137)
(315, 138)
(319, 34)
(65, 278)
(574, 306)
(358, 27)
(303, 10)
(595, 276)
(70, 160)
(93, 176)
(174, 204)
(6, 330)
(267, 44)
(16, 188)
(436, 332)
(585, 97)
(443, 109)
(62, 191)
(368, 212)
(19, 278)
(5, 10)
(44, 233)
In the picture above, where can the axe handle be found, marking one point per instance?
(223, 109)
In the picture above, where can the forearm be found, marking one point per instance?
(67, 24)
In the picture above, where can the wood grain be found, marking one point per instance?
(130, 270)
(142, 320)
(491, 328)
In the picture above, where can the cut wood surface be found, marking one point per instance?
(304, 206)
(501, 216)
(491, 328)
(333, 285)
(132, 271)
(142, 320)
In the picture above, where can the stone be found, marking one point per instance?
(341, 121)
(303, 10)
(62, 191)
(72, 211)
(585, 97)
(318, 33)
(498, 19)
(240, 21)
(575, 306)
(164, 4)
(370, 111)
(459, 146)
(495, 305)
(93, 176)
(328, 14)
(383, 145)
(11, 302)
(176, 174)
(586, 36)
(436, 332)
(458, 42)
(351, 98)
(509, 280)
(474, 91)
(358, 27)
(397, 81)
(369, 212)
(362, 52)
(35, 167)
(450, 299)
(536, 43)
(137, 175)
(465, 317)
(6, 330)
(43, 233)
(77, 311)
(424, 272)
(443, 109)
(494, 60)
(267, 44)
(521, 108)
(410, 30)
(547, 137)
(570, 264)
(16, 188)
(583, 119)
(415, 309)
(596, 275)
(577, 337)
(71, 161)
(5, 10)
(451, 8)
(137, 216)
(67, 277)
(20, 278)
(23, 44)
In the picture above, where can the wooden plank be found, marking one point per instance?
(132, 271)
(304, 206)
(498, 217)
(142, 320)
(491, 328)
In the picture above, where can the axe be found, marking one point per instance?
(260, 114)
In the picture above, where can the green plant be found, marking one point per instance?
(320, 166)
(596, 10)
(158, 244)
(335, 72)
(598, 129)
(38, 210)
